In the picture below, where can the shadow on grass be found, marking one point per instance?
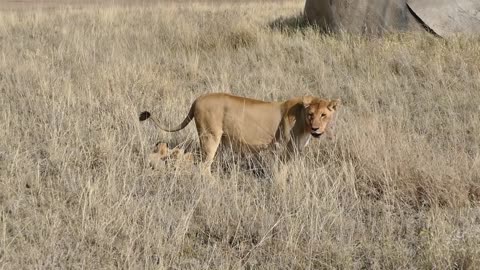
(290, 24)
(297, 23)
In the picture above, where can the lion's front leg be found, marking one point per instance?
(283, 134)
(295, 145)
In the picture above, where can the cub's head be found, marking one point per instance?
(318, 113)
(162, 154)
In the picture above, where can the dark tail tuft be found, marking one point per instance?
(144, 116)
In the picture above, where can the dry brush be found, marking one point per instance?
(398, 187)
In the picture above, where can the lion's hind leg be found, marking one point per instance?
(209, 143)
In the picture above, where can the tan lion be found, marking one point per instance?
(254, 125)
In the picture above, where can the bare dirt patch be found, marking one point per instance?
(35, 4)
(49, 4)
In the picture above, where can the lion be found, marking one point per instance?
(254, 125)
(163, 154)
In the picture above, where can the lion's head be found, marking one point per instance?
(318, 114)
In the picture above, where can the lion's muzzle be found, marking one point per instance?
(316, 133)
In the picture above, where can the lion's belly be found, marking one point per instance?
(242, 146)
(254, 129)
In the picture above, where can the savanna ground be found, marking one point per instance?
(399, 187)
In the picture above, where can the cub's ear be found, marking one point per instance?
(176, 153)
(307, 100)
(332, 106)
(162, 149)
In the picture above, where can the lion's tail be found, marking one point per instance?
(146, 115)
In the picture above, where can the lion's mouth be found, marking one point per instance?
(316, 135)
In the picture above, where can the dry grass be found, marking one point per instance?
(398, 188)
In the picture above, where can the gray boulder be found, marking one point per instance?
(442, 17)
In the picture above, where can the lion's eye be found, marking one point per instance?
(323, 115)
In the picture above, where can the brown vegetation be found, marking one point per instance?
(397, 188)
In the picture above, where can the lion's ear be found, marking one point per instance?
(332, 106)
(307, 100)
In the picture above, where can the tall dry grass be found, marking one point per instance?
(398, 187)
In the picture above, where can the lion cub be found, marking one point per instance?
(163, 155)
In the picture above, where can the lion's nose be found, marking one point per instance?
(314, 129)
